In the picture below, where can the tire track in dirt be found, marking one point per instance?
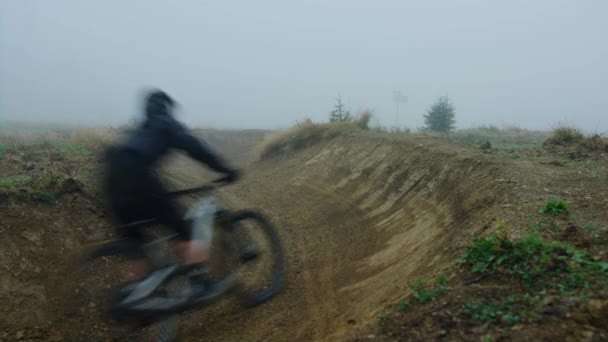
(308, 307)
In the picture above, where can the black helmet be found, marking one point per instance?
(159, 103)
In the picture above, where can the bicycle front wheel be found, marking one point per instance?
(257, 256)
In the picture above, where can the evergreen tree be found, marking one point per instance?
(440, 118)
(339, 114)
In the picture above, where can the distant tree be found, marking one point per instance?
(339, 114)
(440, 118)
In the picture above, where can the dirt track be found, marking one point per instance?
(360, 216)
(359, 219)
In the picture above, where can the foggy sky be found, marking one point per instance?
(267, 64)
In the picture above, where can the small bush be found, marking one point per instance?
(555, 208)
(364, 119)
(596, 143)
(537, 263)
(404, 305)
(503, 311)
(424, 295)
(564, 135)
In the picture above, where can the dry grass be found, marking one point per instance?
(78, 141)
(596, 143)
(564, 135)
(569, 137)
(94, 137)
(308, 133)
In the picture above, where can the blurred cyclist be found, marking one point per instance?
(135, 193)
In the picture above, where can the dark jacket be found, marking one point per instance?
(161, 133)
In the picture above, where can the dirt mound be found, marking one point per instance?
(360, 216)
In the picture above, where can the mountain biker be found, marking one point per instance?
(135, 193)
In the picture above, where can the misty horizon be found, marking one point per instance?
(530, 65)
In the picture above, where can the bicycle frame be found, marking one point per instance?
(202, 217)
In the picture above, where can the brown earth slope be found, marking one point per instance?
(360, 216)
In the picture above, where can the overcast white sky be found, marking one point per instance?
(270, 63)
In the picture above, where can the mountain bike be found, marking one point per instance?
(243, 240)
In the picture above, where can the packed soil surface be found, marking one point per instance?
(360, 217)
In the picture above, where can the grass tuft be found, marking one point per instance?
(308, 133)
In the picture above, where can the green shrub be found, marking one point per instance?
(503, 311)
(564, 135)
(555, 208)
(539, 264)
(424, 295)
(404, 305)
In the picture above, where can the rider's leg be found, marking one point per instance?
(125, 187)
(137, 267)
(193, 251)
(190, 251)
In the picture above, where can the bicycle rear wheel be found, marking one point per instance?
(256, 256)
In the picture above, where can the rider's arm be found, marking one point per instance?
(184, 140)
